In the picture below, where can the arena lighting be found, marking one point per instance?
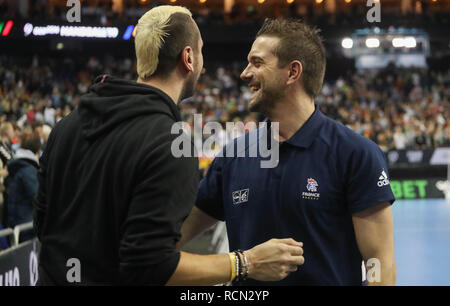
(372, 42)
(7, 28)
(319, 1)
(410, 42)
(400, 42)
(347, 43)
(261, 1)
(128, 32)
(348, 1)
(202, 1)
(289, 1)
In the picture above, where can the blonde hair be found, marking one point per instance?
(4, 127)
(150, 34)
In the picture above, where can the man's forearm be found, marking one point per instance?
(201, 270)
(195, 223)
(272, 260)
(387, 272)
(374, 229)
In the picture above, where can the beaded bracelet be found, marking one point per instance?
(238, 266)
(246, 265)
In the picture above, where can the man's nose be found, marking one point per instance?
(246, 75)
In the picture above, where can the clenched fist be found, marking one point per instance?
(273, 260)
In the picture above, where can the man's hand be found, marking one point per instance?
(275, 259)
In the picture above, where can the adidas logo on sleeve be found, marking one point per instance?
(383, 179)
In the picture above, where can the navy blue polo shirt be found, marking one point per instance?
(326, 172)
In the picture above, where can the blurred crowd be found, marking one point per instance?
(396, 108)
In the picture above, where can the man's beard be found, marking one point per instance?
(189, 87)
(267, 100)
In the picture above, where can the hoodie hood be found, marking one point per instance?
(110, 101)
(22, 158)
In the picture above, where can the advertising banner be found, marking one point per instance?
(438, 156)
(19, 265)
(420, 189)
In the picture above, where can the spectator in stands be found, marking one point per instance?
(6, 154)
(6, 137)
(31, 113)
(420, 138)
(46, 130)
(16, 139)
(446, 141)
(399, 138)
(23, 182)
(37, 129)
(49, 114)
(39, 115)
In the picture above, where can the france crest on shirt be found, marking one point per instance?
(312, 186)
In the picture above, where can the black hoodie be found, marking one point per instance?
(111, 193)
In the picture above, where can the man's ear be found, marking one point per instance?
(295, 72)
(187, 58)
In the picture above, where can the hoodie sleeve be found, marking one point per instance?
(40, 198)
(163, 196)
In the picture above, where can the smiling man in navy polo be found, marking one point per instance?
(330, 188)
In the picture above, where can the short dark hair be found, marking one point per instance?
(36, 124)
(298, 41)
(32, 142)
(181, 33)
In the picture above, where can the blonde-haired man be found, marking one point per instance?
(158, 52)
(111, 194)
